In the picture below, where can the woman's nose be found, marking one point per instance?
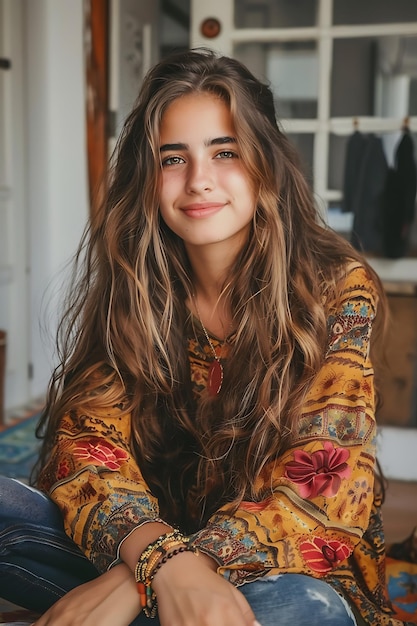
(200, 177)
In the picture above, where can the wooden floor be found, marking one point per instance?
(400, 510)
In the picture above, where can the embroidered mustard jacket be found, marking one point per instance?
(322, 517)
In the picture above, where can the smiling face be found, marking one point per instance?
(206, 196)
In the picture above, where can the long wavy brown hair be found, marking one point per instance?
(121, 339)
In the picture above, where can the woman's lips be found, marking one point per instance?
(202, 209)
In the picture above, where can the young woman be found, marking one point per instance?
(209, 431)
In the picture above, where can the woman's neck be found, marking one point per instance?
(210, 302)
(211, 270)
(214, 314)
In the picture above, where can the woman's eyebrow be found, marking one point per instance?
(217, 141)
(173, 146)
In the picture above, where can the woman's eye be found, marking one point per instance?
(226, 154)
(172, 160)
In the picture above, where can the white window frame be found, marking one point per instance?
(324, 33)
(396, 445)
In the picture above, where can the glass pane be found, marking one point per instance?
(352, 82)
(396, 76)
(174, 26)
(275, 13)
(374, 11)
(339, 221)
(412, 105)
(292, 70)
(374, 76)
(337, 151)
(304, 144)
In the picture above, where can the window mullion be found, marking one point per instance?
(321, 143)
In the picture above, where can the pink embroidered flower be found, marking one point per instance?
(319, 473)
(100, 452)
(323, 555)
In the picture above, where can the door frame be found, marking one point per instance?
(14, 270)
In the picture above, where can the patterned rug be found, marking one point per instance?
(18, 453)
(19, 448)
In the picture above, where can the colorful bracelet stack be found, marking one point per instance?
(151, 560)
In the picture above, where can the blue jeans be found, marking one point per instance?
(39, 564)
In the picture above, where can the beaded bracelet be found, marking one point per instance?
(157, 545)
(147, 600)
(169, 555)
(158, 553)
(147, 595)
(146, 563)
(160, 541)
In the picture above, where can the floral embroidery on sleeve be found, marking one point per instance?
(100, 452)
(97, 484)
(322, 555)
(319, 473)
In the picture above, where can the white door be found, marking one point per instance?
(282, 40)
(14, 313)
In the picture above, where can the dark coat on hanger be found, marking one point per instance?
(365, 175)
(355, 150)
(400, 199)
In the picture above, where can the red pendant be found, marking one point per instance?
(215, 378)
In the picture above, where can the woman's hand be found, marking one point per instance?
(189, 591)
(109, 600)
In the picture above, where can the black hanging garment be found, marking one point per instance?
(355, 150)
(364, 183)
(400, 199)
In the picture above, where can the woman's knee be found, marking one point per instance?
(21, 503)
(297, 599)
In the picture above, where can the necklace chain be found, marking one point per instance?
(208, 339)
(215, 373)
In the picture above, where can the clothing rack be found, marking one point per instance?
(379, 125)
(405, 124)
(346, 125)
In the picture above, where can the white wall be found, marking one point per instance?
(56, 160)
(396, 452)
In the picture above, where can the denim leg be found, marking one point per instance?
(296, 599)
(38, 561)
(39, 564)
(290, 600)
